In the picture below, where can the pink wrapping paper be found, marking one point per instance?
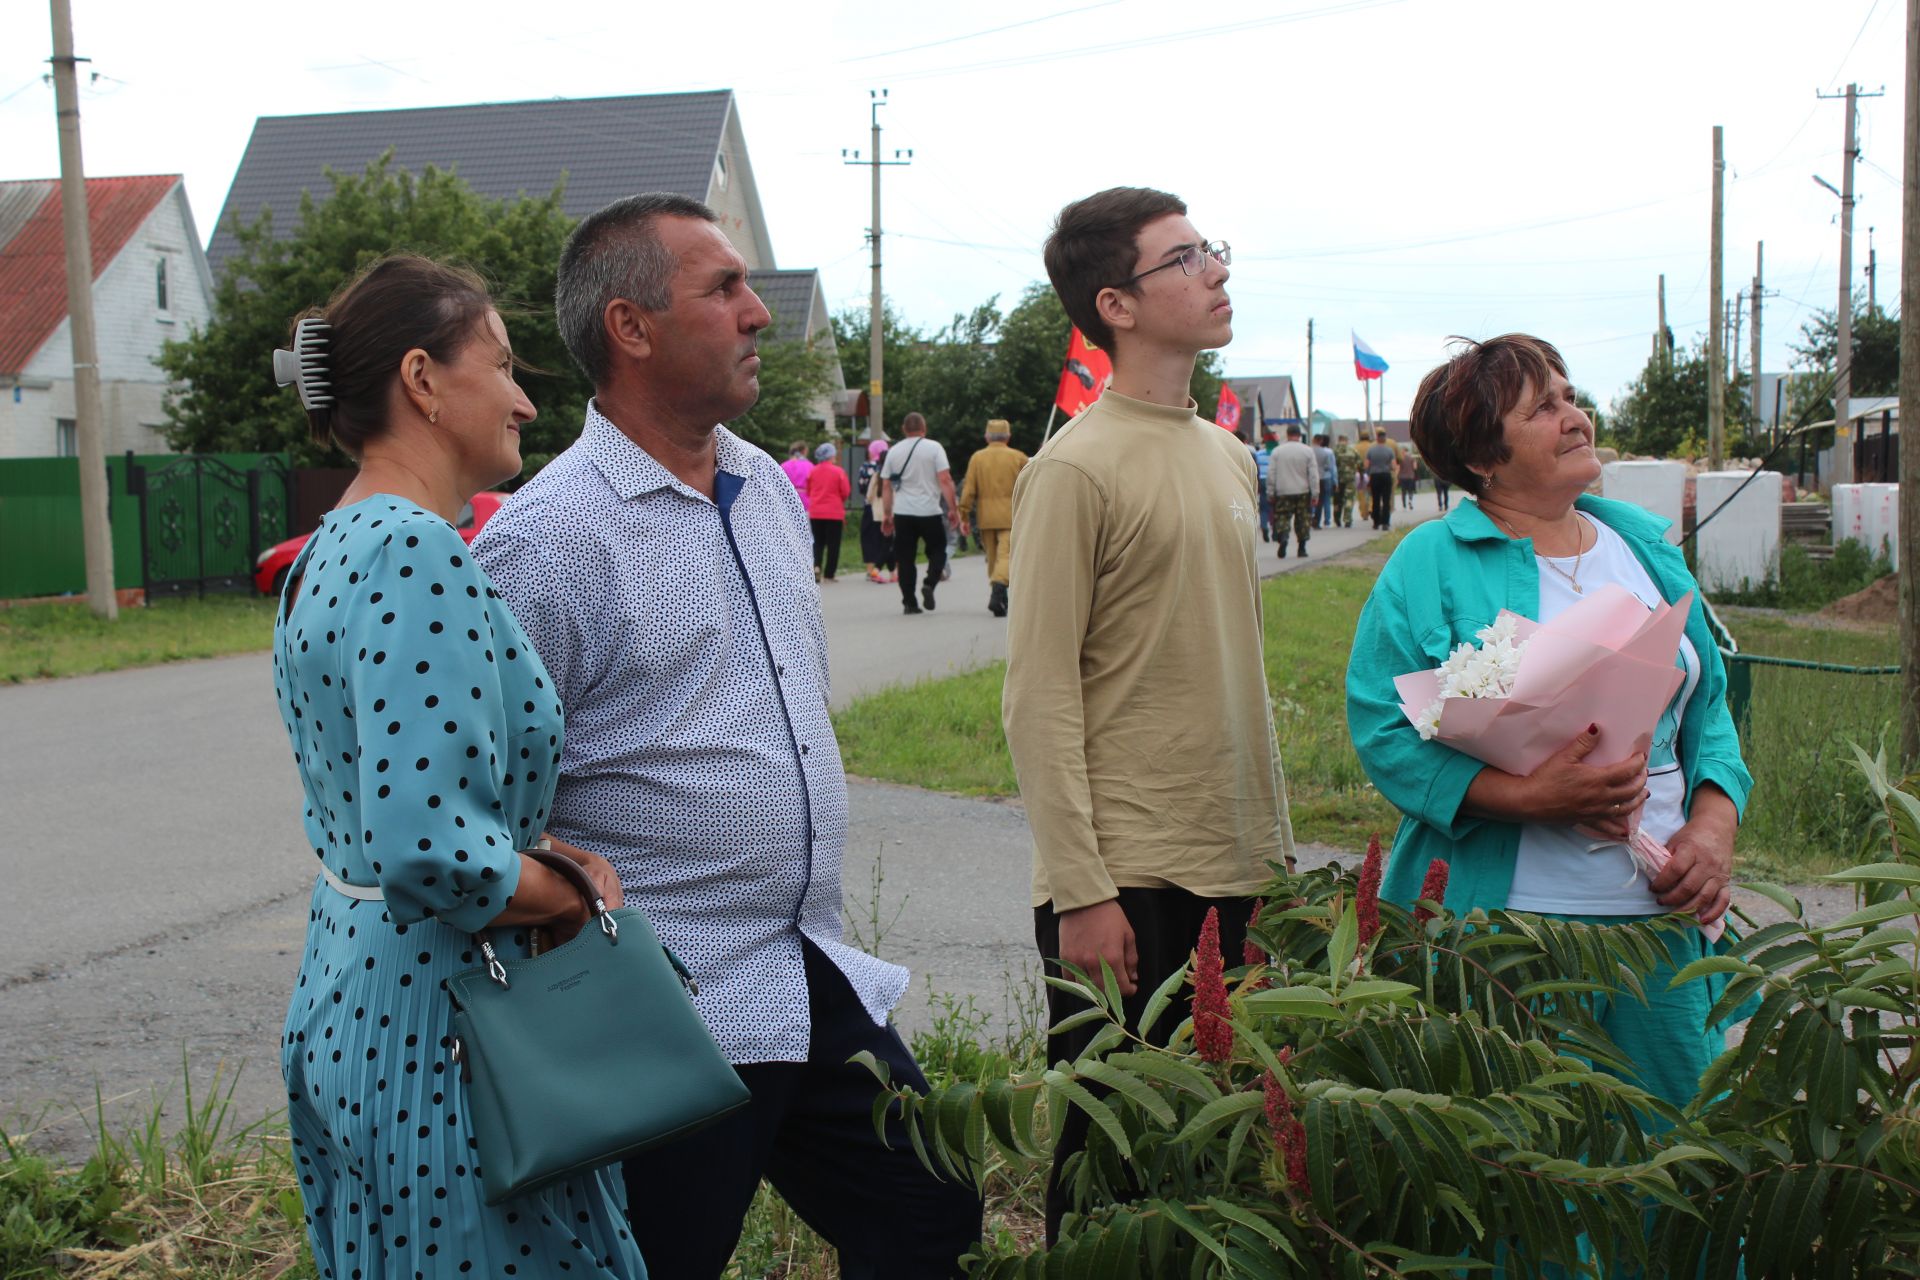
(1607, 661)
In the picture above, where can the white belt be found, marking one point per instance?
(359, 892)
(364, 894)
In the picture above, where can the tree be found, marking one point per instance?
(900, 343)
(1663, 412)
(794, 374)
(226, 398)
(957, 381)
(1876, 358)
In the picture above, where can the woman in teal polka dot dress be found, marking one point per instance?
(427, 737)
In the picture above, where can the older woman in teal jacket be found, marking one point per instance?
(1499, 420)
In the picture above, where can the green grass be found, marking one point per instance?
(946, 735)
(211, 1199)
(38, 641)
(1808, 813)
(1806, 816)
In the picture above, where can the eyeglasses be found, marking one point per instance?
(1191, 261)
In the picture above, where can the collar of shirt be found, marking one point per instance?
(632, 471)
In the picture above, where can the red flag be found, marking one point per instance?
(1086, 375)
(1228, 414)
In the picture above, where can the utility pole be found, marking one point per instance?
(876, 334)
(1660, 347)
(95, 534)
(1910, 407)
(1309, 370)
(1753, 388)
(1843, 314)
(1716, 356)
(1873, 266)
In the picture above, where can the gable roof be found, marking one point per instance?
(789, 295)
(1275, 393)
(33, 251)
(501, 149)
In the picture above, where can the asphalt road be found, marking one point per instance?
(156, 877)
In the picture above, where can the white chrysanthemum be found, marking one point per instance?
(1498, 631)
(1428, 721)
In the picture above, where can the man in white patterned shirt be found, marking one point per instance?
(662, 567)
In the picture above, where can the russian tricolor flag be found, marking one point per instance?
(1366, 361)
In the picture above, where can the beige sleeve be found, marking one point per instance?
(1057, 514)
(970, 487)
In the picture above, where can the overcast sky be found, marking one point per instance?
(1406, 169)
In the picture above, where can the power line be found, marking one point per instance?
(975, 35)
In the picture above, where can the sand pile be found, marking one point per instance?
(1878, 604)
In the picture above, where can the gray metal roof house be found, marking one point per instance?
(605, 148)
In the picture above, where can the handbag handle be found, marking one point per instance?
(574, 874)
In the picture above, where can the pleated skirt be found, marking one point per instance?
(385, 1156)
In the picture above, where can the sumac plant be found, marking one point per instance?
(1439, 1099)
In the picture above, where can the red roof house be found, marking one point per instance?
(150, 283)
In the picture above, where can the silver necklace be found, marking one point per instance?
(1580, 550)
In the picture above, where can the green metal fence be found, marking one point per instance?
(40, 542)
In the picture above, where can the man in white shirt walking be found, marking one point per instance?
(913, 482)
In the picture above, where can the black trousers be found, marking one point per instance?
(826, 546)
(1166, 926)
(1382, 492)
(875, 546)
(909, 530)
(809, 1131)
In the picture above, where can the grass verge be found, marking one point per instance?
(214, 1201)
(38, 641)
(1805, 816)
(946, 735)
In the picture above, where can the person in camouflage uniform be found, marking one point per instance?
(1348, 463)
(1293, 474)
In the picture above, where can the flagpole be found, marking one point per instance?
(1051, 414)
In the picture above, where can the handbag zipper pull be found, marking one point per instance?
(495, 970)
(459, 1056)
(685, 975)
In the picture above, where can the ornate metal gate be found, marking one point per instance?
(204, 521)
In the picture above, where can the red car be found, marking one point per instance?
(270, 570)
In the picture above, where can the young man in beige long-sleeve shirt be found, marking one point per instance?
(1136, 699)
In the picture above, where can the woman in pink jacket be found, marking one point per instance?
(826, 496)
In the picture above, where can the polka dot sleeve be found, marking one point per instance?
(417, 658)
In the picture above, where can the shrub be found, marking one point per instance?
(1805, 584)
(1460, 1109)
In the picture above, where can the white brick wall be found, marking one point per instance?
(129, 327)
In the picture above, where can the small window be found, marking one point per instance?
(720, 172)
(66, 438)
(160, 285)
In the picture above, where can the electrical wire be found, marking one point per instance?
(975, 35)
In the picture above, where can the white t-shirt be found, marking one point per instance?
(913, 468)
(1557, 868)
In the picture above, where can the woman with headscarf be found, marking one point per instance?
(875, 546)
(826, 495)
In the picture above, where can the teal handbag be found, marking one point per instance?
(585, 1054)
